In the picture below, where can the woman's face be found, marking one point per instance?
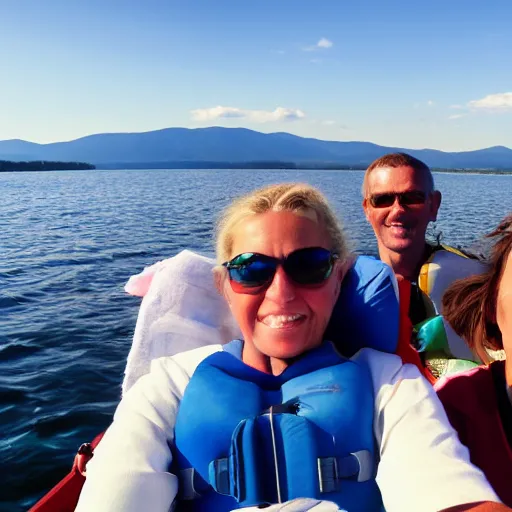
(284, 319)
(504, 306)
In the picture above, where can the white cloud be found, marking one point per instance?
(322, 44)
(500, 101)
(329, 122)
(205, 114)
(430, 103)
(257, 116)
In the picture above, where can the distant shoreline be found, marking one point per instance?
(34, 166)
(272, 165)
(43, 165)
(474, 171)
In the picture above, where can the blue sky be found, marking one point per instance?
(437, 74)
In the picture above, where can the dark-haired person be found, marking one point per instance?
(399, 201)
(479, 402)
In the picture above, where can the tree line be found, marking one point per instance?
(43, 165)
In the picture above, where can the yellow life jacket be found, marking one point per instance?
(444, 266)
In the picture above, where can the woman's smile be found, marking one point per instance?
(282, 321)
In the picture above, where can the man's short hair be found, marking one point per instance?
(399, 160)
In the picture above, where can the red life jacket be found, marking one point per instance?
(404, 348)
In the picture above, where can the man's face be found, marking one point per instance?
(400, 227)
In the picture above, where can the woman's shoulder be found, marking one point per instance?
(472, 378)
(165, 383)
(386, 368)
(373, 356)
(391, 361)
(468, 390)
(187, 361)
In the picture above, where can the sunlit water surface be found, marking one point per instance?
(68, 243)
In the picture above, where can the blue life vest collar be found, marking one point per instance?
(323, 356)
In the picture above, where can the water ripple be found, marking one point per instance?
(71, 242)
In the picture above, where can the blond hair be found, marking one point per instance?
(293, 197)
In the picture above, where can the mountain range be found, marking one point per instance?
(234, 145)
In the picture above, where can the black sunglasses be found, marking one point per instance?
(309, 266)
(410, 198)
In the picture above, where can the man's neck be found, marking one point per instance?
(406, 265)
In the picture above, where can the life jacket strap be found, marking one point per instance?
(357, 466)
(219, 476)
(190, 484)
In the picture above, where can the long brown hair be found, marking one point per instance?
(469, 305)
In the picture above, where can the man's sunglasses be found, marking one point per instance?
(251, 270)
(410, 198)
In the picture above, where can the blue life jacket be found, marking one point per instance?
(244, 437)
(367, 312)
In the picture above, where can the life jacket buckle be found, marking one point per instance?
(358, 466)
(218, 475)
(328, 474)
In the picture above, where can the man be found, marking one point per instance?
(399, 201)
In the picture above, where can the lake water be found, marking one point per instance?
(69, 241)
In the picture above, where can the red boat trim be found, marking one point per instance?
(64, 496)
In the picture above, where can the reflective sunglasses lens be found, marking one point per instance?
(251, 270)
(412, 198)
(312, 265)
(382, 200)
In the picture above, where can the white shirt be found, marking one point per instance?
(423, 466)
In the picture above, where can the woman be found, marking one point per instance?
(479, 401)
(280, 414)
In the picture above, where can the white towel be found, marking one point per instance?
(181, 310)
